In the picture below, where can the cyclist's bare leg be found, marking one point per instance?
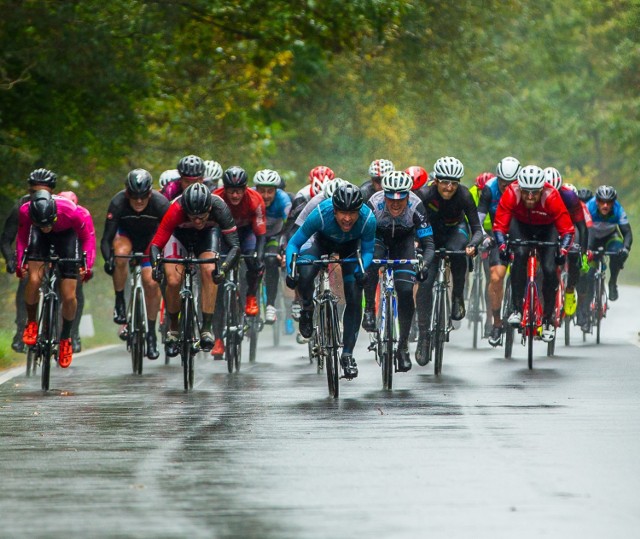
(209, 288)
(121, 246)
(152, 293)
(173, 279)
(68, 298)
(496, 292)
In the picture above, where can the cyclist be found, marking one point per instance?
(531, 209)
(400, 218)
(45, 221)
(585, 194)
(40, 178)
(278, 205)
(192, 221)
(339, 225)
(212, 174)
(577, 256)
(249, 212)
(328, 188)
(611, 229)
(506, 172)
(419, 176)
(168, 176)
(377, 169)
(452, 213)
(132, 219)
(191, 169)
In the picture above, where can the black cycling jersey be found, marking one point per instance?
(138, 227)
(367, 190)
(10, 230)
(445, 214)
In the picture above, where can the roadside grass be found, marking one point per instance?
(8, 358)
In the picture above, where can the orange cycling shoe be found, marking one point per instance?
(251, 308)
(218, 349)
(30, 333)
(65, 353)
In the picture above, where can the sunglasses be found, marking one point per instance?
(449, 183)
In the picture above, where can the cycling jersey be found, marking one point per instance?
(69, 217)
(605, 225)
(486, 220)
(549, 210)
(308, 208)
(250, 212)
(367, 189)
(138, 227)
(277, 213)
(322, 222)
(489, 199)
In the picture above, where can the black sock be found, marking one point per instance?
(207, 318)
(66, 329)
(152, 326)
(120, 296)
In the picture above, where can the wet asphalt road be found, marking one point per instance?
(489, 449)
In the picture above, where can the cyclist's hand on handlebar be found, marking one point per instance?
(421, 274)
(361, 278)
(471, 250)
(623, 253)
(260, 267)
(291, 281)
(220, 274)
(11, 265)
(561, 257)
(109, 267)
(86, 274)
(503, 252)
(21, 271)
(488, 242)
(156, 272)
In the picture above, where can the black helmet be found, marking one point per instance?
(43, 176)
(191, 166)
(138, 182)
(234, 177)
(347, 198)
(43, 210)
(197, 199)
(606, 193)
(584, 194)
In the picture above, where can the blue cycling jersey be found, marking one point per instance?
(603, 225)
(277, 213)
(322, 222)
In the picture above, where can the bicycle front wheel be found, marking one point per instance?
(600, 305)
(475, 315)
(387, 346)
(509, 331)
(332, 361)
(531, 325)
(31, 360)
(137, 334)
(48, 338)
(440, 330)
(186, 333)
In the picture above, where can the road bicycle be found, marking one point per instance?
(440, 324)
(327, 334)
(233, 328)
(599, 301)
(477, 310)
(189, 338)
(531, 323)
(137, 322)
(384, 340)
(47, 343)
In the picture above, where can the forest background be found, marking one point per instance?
(92, 89)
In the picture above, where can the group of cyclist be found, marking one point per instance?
(213, 213)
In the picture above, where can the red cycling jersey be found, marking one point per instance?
(251, 210)
(550, 210)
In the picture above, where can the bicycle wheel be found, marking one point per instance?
(331, 335)
(531, 324)
(48, 338)
(440, 330)
(567, 330)
(186, 331)
(508, 329)
(387, 345)
(231, 350)
(254, 329)
(31, 360)
(137, 334)
(475, 315)
(600, 303)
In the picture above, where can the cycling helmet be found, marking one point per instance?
(584, 194)
(235, 177)
(380, 167)
(482, 179)
(212, 170)
(191, 166)
(69, 195)
(42, 209)
(347, 197)
(167, 176)
(552, 176)
(329, 187)
(606, 193)
(419, 176)
(396, 184)
(507, 169)
(138, 183)
(43, 176)
(531, 177)
(267, 178)
(448, 168)
(196, 199)
(572, 187)
(317, 177)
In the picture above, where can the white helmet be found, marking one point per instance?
(267, 177)
(212, 170)
(552, 176)
(448, 168)
(531, 177)
(508, 169)
(329, 186)
(572, 187)
(396, 184)
(167, 176)
(380, 167)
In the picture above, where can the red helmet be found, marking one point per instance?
(483, 178)
(317, 176)
(419, 176)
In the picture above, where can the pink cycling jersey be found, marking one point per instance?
(69, 216)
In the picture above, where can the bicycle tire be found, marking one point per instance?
(531, 325)
(137, 334)
(509, 330)
(474, 308)
(440, 332)
(47, 338)
(551, 348)
(186, 331)
(332, 362)
(387, 346)
(231, 335)
(254, 327)
(567, 330)
(31, 360)
(599, 305)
